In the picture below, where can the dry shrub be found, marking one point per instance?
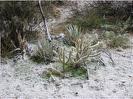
(116, 40)
(119, 41)
(44, 52)
(76, 57)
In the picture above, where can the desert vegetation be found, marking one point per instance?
(68, 40)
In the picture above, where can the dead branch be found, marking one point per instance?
(45, 22)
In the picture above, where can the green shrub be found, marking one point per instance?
(6, 46)
(121, 27)
(72, 72)
(44, 52)
(77, 72)
(113, 10)
(50, 72)
(118, 41)
(128, 24)
(102, 12)
(115, 40)
(87, 21)
(108, 35)
(22, 17)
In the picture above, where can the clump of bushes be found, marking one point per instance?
(116, 40)
(73, 59)
(108, 35)
(15, 17)
(44, 52)
(121, 27)
(97, 13)
(87, 21)
(119, 41)
(22, 17)
(76, 57)
(6, 46)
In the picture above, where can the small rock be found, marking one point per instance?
(18, 88)
(119, 49)
(121, 85)
(123, 81)
(114, 91)
(76, 93)
(96, 80)
(57, 84)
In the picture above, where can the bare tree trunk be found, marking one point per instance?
(45, 22)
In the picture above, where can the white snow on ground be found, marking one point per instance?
(22, 81)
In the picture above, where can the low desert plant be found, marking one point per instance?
(73, 72)
(120, 27)
(44, 52)
(10, 49)
(114, 40)
(74, 33)
(108, 35)
(129, 23)
(87, 18)
(88, 22)
(125, 26)
(51, 72)
(77, 56)
(118, 41)
(6, 46)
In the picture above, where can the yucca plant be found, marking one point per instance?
(44, 52)
(74, 33)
